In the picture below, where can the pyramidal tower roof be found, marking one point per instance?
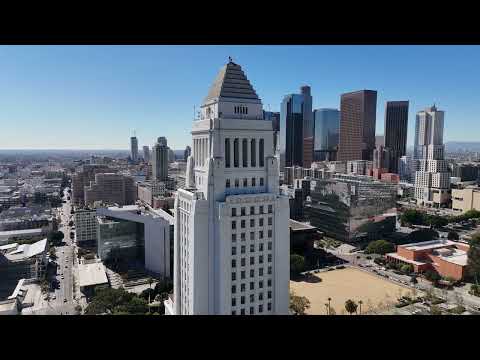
(231, 82)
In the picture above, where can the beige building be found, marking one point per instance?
(111, 188)
(466, 199)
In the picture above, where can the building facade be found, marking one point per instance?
(432, 177)
(85, 226)
(466, 199)
(134, 148)
(231, 230)
(146, 154)
(396, 124)
(327, 127)
(160, 160)
(357, 125)
(111, 188)
(83, 176)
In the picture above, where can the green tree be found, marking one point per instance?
(473, 257)
(413, 217)
(406, 269)
(432, 276)
(422, 235)
(453, 235)
(379, 247)
(297, 264)
(351, 306)
(436, 221)
(55, 237)
(298, 304)
(116, 301)
(52, 253)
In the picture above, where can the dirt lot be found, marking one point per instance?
(340, 285)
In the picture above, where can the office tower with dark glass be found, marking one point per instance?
(296, 129)
(396, 123)
(134, 148)
(327, 126)
(160, 160)
(146, 154)
(357, 125)
(274, 117)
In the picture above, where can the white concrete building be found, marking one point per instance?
(85, 226)
(231, 238)
(432, 177)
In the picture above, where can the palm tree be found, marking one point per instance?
(329, 300)
(360, 302)
(150, 281)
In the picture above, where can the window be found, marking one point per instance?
(270, 221)
(234, 276)
(245, 153)
(242, 224)
(242, 211)
(227, 183)
(242, 287)
(252, 298)
(261, 209)
(270, 209)
(242, 300)
(252, 273)
(234, 301)
(252, 222)
(260, 308)
(260, 247)
(260, 234)
(260, 296)
(252, 248)
(269, 245)
(260, 222)
(252, 210)
(269, 257)
(260, 259)
(252, 285)
(269, 294)
(261, 153)
(261, 181)
(269, 282)
(252, 260)
(269, 271)
(260, 272)
(234, 312)
(253, 153)
(252, 235)
(242, 312)
(234, 225)
(234, 211)
(234, 263)
(269, 306)
(227, 153)
(251, 310)
(253, 182)
(234, 237)
(234, 289)
(242, 262)
(242, 236)
(245, 182)
(269, 233)
(236, 183)
(242, 249)
(235, 153)
(260, 284)
(242, 275)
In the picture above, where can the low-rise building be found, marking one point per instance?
(26, 234)
(466, 199)
(447, 258)
(92, 276)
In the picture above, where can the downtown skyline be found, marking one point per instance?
(94, 97)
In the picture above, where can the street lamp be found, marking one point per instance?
(329, 300)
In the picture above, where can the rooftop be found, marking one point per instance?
(92, 274)
(296, 225)
(25, 251)
(429, 245)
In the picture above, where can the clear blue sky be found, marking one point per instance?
(92, 97)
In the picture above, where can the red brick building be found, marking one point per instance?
(447, 258)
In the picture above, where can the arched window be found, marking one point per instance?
(235, 153)
(227, 153)
(261, 153)
(244, 153)
(253, 152)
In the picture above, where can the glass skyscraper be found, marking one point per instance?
(327, 128)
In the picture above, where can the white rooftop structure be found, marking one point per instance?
(92, 274)
(25, 251)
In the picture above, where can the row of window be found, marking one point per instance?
(245, 154)
(240, 110)
(252, 260)
(245, 182)
(252, 235)
(243, 274)
(261, 210)
(252, 248)
(252, 223)
(260, 309)
(243, 287)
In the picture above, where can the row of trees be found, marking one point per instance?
(416, 217)
(380, 247)
(116, 302)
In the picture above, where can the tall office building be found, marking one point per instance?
(274, 117)
(296, 129)
(134, 148)
(396, 123)
(162, 141)
(432, 178)
(83, 176)
(110, 188)
(231, 203)
(327, 126)
(146, 154)
(357, 125)
(159, 159)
